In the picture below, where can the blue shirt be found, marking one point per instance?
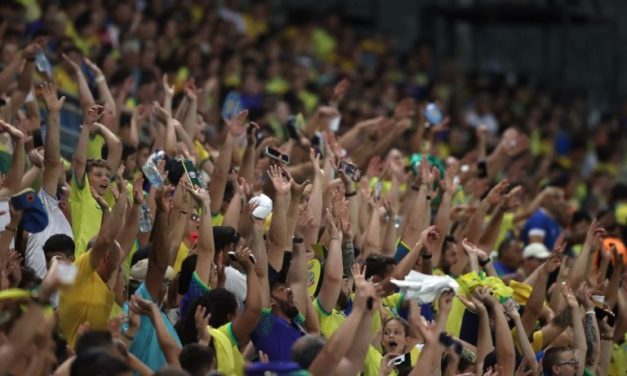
(501, 269)
(196, 289)
(540, 219)
(275, 336)
(145, 346)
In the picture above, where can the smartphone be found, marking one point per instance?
(276, 154)
(66, 273)
(191, 172)
(601, 313)
(317, 142)
(377, 190)
(396, 361)
(351, 170)
(233, 257)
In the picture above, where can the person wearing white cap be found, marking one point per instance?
(534, 255)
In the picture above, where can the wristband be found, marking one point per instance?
(426, 256)
(415, 188)
(485, 262)
(429, 198)
(350, 194)
(591, 312)
(296, 240)
(607, 338)
(99, 79)
(9, 228)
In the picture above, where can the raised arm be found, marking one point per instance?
(591, 328)
(128, 234)
(584, 259)
(101, 83)
(167, 344)
(333, 268)
(25, 82)
(504, 345)
(114, 145)
(278, 241)
(579, 336)
(534, 305)
(52, 148)
(206, 246)
(236, 127)
(246, 321)
(14, 176)
(484, 339)
(342, 340)
(79, 160)
(84, 93)
(158, 258)
(190, 119)
(416, 218)
(258, 247)
(525, 346)
(111, 225)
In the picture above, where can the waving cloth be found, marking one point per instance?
(425, 288)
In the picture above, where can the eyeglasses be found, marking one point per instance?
(573, 362)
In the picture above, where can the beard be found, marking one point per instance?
(289, 309)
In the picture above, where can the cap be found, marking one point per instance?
(536, 250)
(264, 206)
(140, 269)
(34, 215)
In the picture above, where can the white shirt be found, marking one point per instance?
(475, 120)
(235, 283)
(57, 224)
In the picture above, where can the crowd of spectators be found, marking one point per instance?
(226, 188)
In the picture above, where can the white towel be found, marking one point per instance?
(425, 288)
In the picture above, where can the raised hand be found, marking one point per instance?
(15, 133)
(138, 190)
(281, 184)
(101, 201)
(569, 297)
(334, 231)
(162, 114)
(200, 195)
(496, 193)
(472, 249)
(201, 320)
(245, 257)
(94, 113)
(142, 306)
(428, 331)
(167, 89)
(237, 124)
(36, 157)
(49, 94)
(511, 309)
(339, 91)
(75, 67)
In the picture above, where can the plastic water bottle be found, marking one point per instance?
(150, 169)
(144, 220)
(433, 114)
(42, 63)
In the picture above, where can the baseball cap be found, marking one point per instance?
(536, 250)
(34, 215)
(140, 269)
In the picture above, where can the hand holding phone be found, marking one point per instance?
(351, 170)
(277, 155)
(396, 361)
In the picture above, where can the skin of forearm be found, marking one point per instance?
(579, 336)
(373, 234)
(389, 239)
(533, 308)
(247, 170)
(348, 256)
(612, 290)
(592, 340)
(189, 121)
(29, 177)
(504, 342)
(297, 277)
(278, 236)
(16, 168)
(415, 219)
(358, 351)
(443, 222)
(220, 173)
(484, 343)
(525, 346)
(231, 216)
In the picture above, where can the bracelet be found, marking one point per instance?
(351, 194)
(296, 240)
(426, 256)
(9, 228)
(334, 238)
(485, 262)
(99, 79)
(591, 312)
(607, 338)
(429, 198)
(415, 188)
